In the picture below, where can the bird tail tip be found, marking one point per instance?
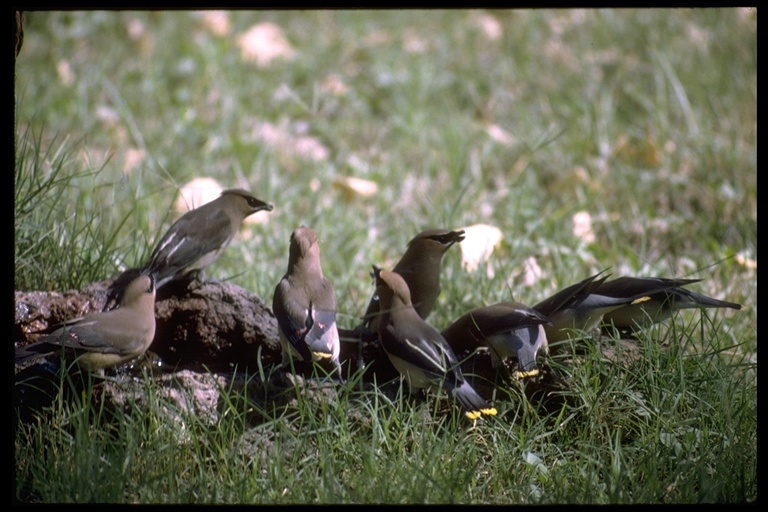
(473, 404)
(475, 414)
(526, 374)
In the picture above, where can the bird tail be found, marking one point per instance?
(32, 352)
(471, 403)
(699, 300)
(116, 289)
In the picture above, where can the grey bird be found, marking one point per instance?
(195, 240)
(665, 297)
(507, 328)
(417, 350)
(304, 304)
(581, 307)
(420, 267)
(102, 340)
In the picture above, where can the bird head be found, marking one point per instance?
(247, 203)
(391, 287)
(439, 237)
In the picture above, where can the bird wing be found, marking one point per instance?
(569, 295)
(627, 286)
(293, 318)
(464, 334)
(470, 330)
(597, 304)
(422, 346)
(88, 337)
(505, 317)
(104, 333)
(192, 236)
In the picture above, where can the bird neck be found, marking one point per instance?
(421, 258)
(146, 305)
(309, 267)
(400, 306)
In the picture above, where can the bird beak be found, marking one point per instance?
(451, 237)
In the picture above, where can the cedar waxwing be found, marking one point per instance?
(195, 240)
(102, 340)
(417, 350)
(304, 304)
(581, 306)
(506, 328)
(420, 267)
(666, 297)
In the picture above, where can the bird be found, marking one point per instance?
(581, 307)
(666, 296)
(104, 339)
(506, 328)
(417, 350)
(199, 236)
(420, 267)
(304, 304)
(194, 241)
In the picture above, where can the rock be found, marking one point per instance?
(217, 325)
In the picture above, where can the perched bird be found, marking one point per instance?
(103, 340)
(665, 297)
(199, 237)
(420, 267)
(506, 328)
(581, 306)
(417, 350)
(304, 304)
(195, 240)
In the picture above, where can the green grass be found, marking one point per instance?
(645, 119)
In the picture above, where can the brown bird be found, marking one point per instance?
(420, 267)
(665, 297)
(195, 240)
(101, 340)
(199, 237)
(417, 350)
(506, 328)
(304, 304)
